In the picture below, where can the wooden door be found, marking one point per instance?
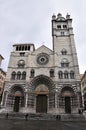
(16, 104)
(41, 104)
(67, 105)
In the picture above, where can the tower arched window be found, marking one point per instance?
(72, 74)
(64, 26)
(22, 48)
(62, 33)
(32, 73)
(59, 26)
(19, 48)
(24, 75)
(51, 73)
(25, 47)
(64, 51)
(60, 74)
(66, 75)
(64, 63)
(13, 75)
(18, 75)
(16, 48)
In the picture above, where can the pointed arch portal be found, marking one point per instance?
(67, 93)
(42, 86)
(17, 94)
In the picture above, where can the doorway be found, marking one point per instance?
(41, 103)
(67, 105)
(16, 104)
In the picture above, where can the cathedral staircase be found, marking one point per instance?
(73, 117)
(43, 116)
(31, 116)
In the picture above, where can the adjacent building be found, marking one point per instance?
(1, 58)
(2, 77)
(83, 89)
(45, 80)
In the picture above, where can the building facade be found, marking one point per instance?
(83, 89)
(43, 80)
(2, 78)
(1, 58)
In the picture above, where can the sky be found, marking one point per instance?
(29, 21)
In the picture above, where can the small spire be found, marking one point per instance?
(68, 16)
(59, 15)
(54, 16)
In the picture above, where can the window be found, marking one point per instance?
(25, 48)
(64, 26)
(64, 51)
(28, 47)
(64, 63)
(22, 53)
(21, 63)
(66, 76)
(62, 33)
(59, 26)
(71, 74)
(17, 48)
(13, 75)
(18, 75)
(60, 74)
(51, 73)
(22, 48)
(24, 75)
(32, 73)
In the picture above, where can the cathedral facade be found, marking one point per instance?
(43, 80)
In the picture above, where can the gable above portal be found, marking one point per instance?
(43, 49)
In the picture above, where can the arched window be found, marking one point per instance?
(64, 63)
(18, 75)
(64, 51)
(66, 76)
(24, 75)
(19, 48)
(22, 48)
(72, 74)
(59, 26)
(62, 33)
(16, 48)
(64, 26)
(32, 73)
(13, 75)
(51, 73)
(60, 74)
(21, 63)
(25, 47)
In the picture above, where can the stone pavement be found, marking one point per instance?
(17, 124)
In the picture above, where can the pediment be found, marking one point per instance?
(43, 49)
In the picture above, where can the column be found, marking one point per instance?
(26, 99)
(6, 98)
(56, 100)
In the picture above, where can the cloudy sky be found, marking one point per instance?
(29, 21)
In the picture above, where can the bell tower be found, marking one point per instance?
(61, 31)
(63, 41)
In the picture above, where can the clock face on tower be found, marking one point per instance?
(42, 58)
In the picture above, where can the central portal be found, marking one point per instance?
(67, 105)
(41, 103)
(16, 104)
